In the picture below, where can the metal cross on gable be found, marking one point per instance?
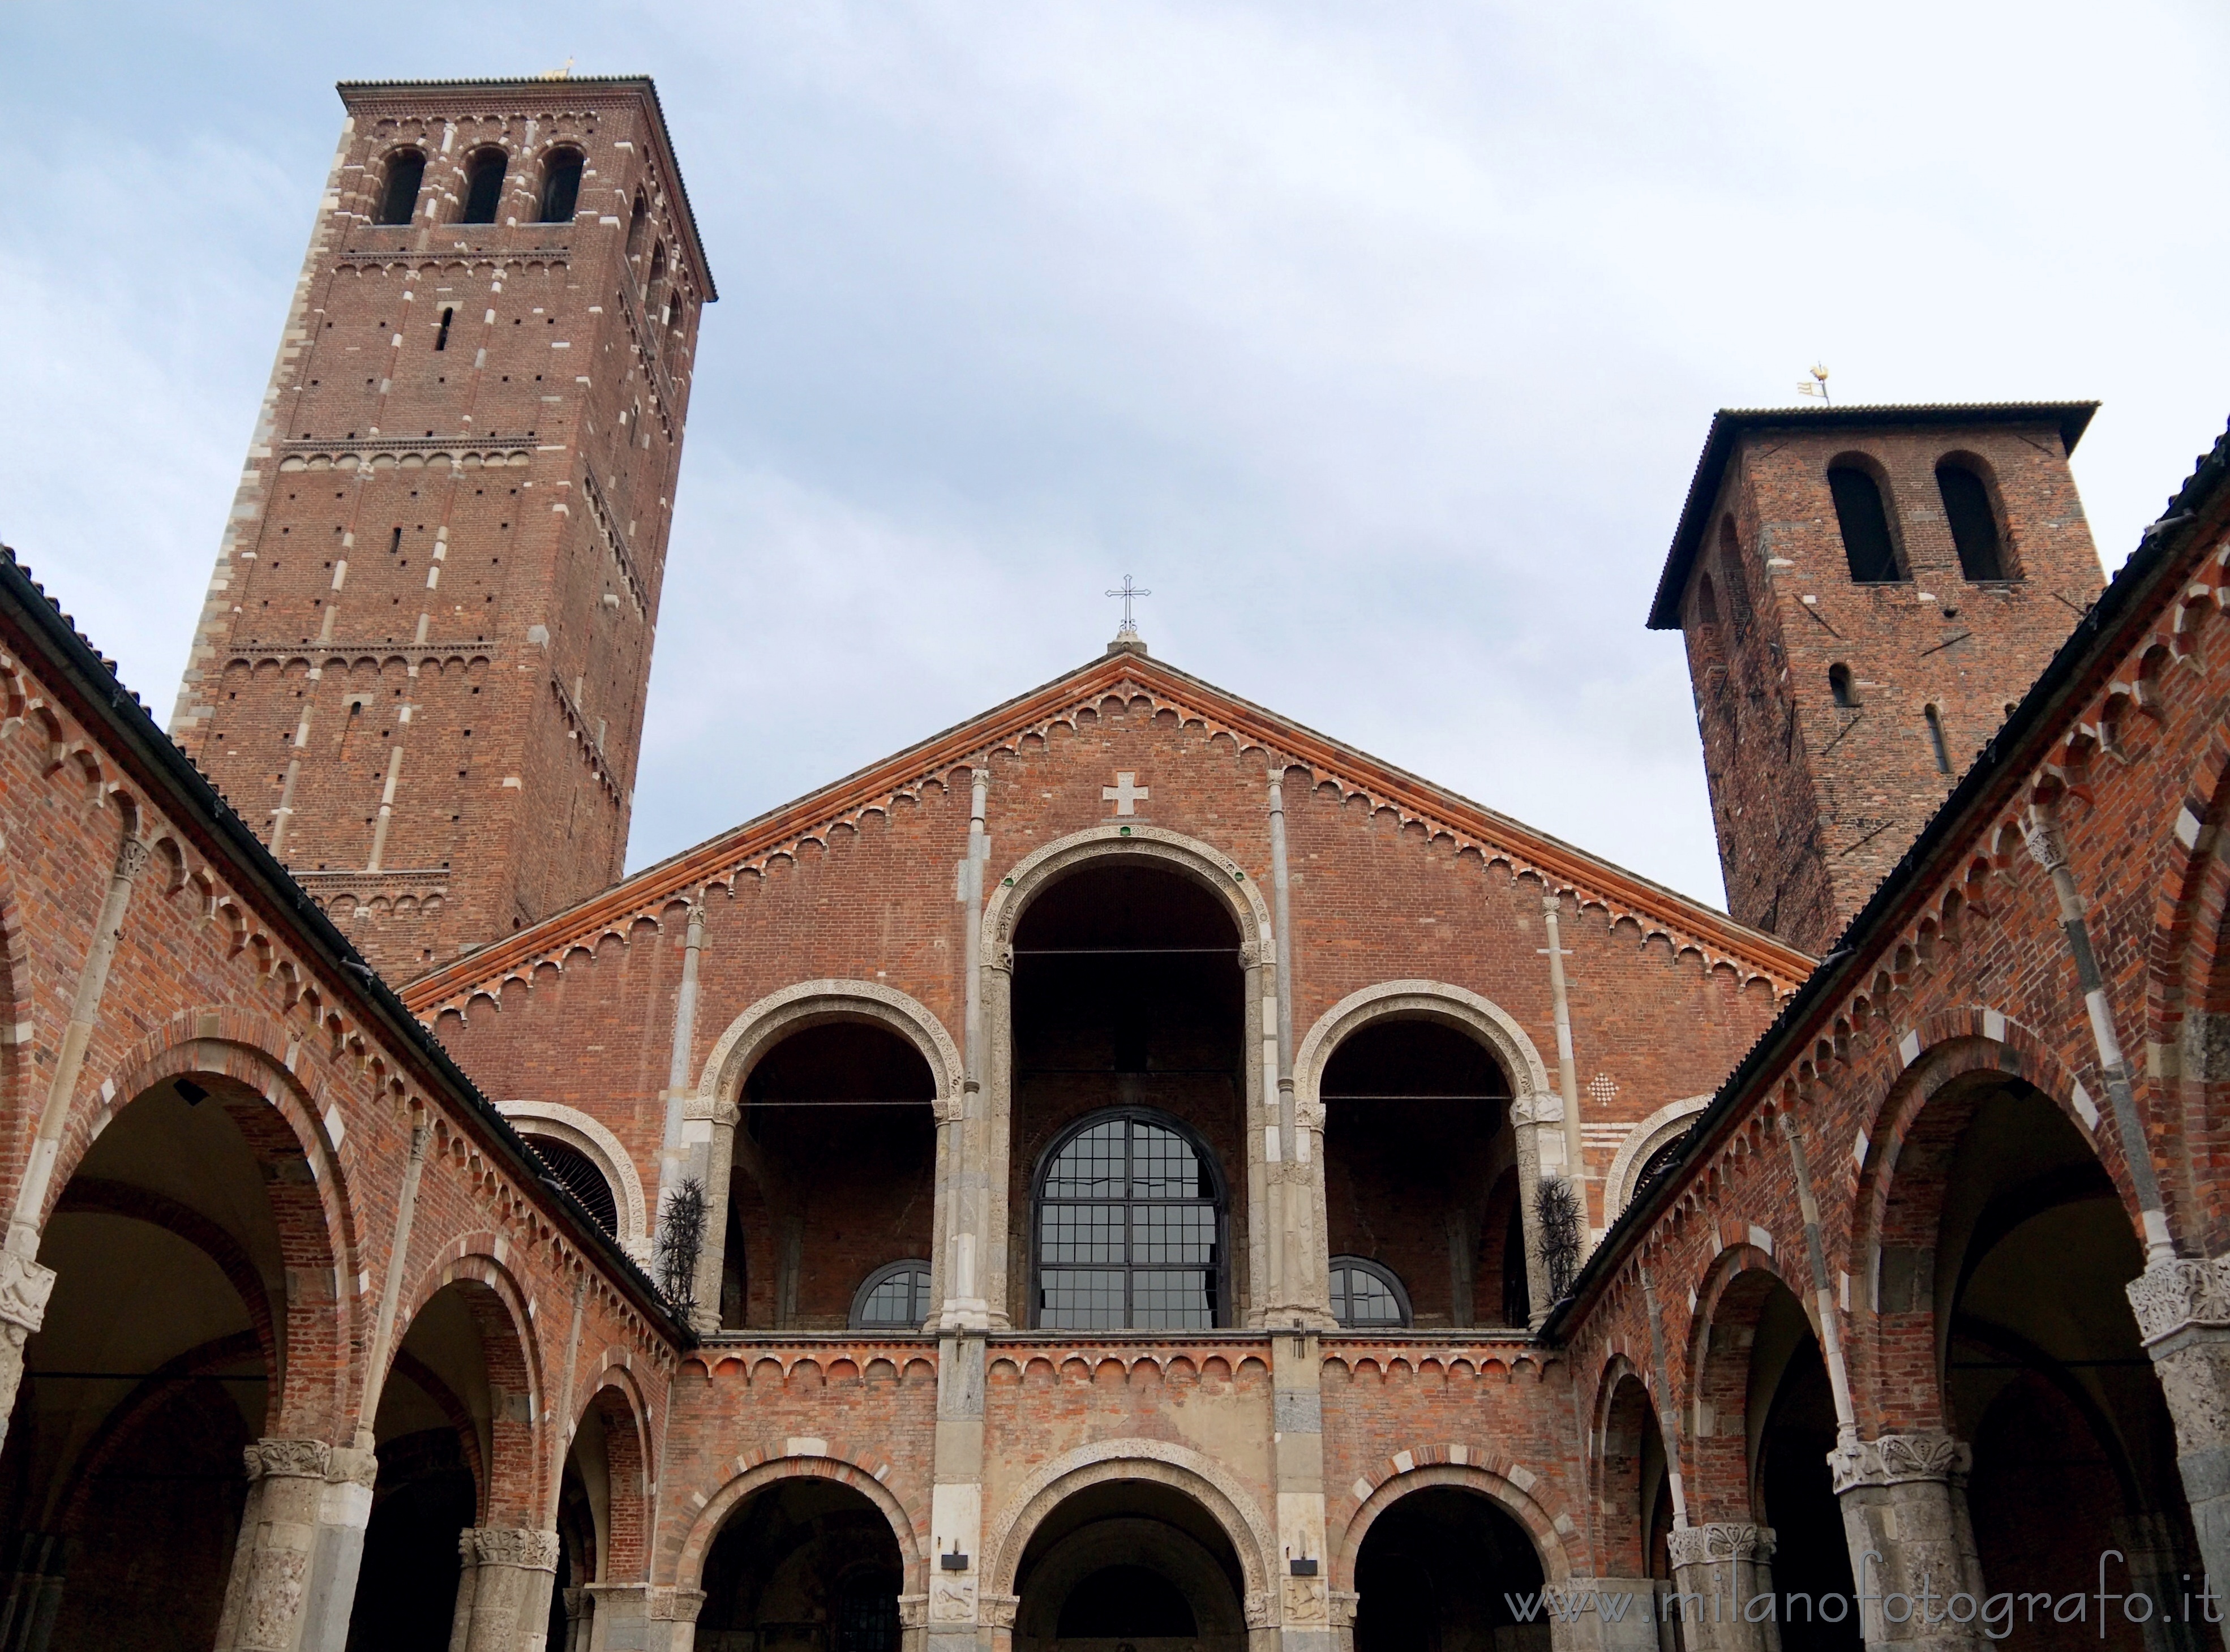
(1127, 593)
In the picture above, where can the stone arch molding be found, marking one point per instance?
(697, 1542)
(1199, 1477)
(583, 1132)
(1202, 862)
(810, 1003)
(1504, 1493)
(1663, 1125)
(1454, 1006)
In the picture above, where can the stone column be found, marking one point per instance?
(503, 1590)
(679, 1090)
(1719, 1569)
(24, 1287)
(301, 1542)
(637, 1617)
(2182, 1308)
(954, 1621)
(966, 1272)
(579, 1603)
(1297, 1419)
(2148, 1543)
(1904, 1518)
(708, 1134)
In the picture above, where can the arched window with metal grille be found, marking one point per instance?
(1130, 1228)
(1366, 1295)
(575, 1173)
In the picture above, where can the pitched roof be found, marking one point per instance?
(1729, 423)
(638, 85)
(1124, 671)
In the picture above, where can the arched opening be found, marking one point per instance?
(806, 1564)
(1129, 1560)
(1973, 515)
(163, 1356)
(602, 1511)
(638, 224)
(1417, 1143)
(574, 1172)
(835, 1174)
(1366, 1295)
(1127, 1005)
(893, 1298)
(1869, 542)
(1731, 565)
(1438, 1570)
(398, 194)
(654, 284)
(1937, 747)
(1838, 685)
(455, 1450)
(561, 186)
(1635, 1489)
(484, 173)
(2005, 1231)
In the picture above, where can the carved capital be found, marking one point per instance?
(2179, 1294)
(289, 1459)
(131, 859)
(674, 1605)
(502, 1545)
(1898, 1460)
(998, 1611)
(1257, 1609)
(1249, 956)
(24, 1287)
(2045, 846)
(1344, 1605)
(1720, 1540)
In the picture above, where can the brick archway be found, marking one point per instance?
(515, 1493)
(1496, 1485)
(909, 1527)
(630, 1470)
(1730, 1298)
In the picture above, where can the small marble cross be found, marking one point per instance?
(1125, 792)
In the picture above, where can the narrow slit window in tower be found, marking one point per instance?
(1936, 739)
(1864, 520)
(441, 338)
(1839, 684)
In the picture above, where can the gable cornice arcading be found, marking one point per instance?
(1687, 925)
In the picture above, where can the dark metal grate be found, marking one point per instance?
(571, 1168)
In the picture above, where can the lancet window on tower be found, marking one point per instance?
(1973, 521)
(561, 186)
(1935, 745)
(1868, 543)
(484, 185)
(398, 200)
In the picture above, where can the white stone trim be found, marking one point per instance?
(1421, 1000)
(1642, 1140)
(1203, 862)
(587, 1135)
(811, 1004)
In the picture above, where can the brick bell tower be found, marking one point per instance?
(421, 668)
(1866, 593)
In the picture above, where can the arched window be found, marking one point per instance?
(1707, 602)
(1130, 1228)
(561, 185)
(1365, 1296)
(484, 185)
(406, 171)
(1839, 684)
(895, 1297)
(1730, 564)
(653, 283)
(638, 223)
(1863, 518)
(574, 1171)
(1935, 719)
(1656, 1164)
(1973, 521)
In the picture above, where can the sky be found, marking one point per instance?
(1378, 342)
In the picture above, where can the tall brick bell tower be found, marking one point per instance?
(420, 669)
(1866, 593)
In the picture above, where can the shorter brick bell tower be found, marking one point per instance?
(421, 668)
(1866, 593)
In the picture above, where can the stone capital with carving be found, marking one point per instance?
(131, 859)
(998, 1611)
(674, 1605)
(1257, 1609)
(2045, 846)
(24, 1287)
(1898, 1460)
(504, 1545)
(2182, 1293)
(289, 1459)
(1720, 1540)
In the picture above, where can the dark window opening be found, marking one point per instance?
(1974, 522)
(573, 1169)
(1517, 1289)
(1656, 1164)
(406, 171)
(1864, 520)
(636, 222)
(1365, 1296)
(1936, 739)
(441, 338)
(1839, 684)
(484, 185)
(1730, 564)
(561, 186)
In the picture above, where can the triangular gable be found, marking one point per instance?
(1129, 674)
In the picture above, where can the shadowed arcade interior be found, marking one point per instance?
(1421, 1169)
(835, 1177)
(1437, 1573)
(1130, 1562)
(1127, 1001)
(807, 1564)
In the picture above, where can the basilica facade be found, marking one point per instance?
(1129, 1170)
